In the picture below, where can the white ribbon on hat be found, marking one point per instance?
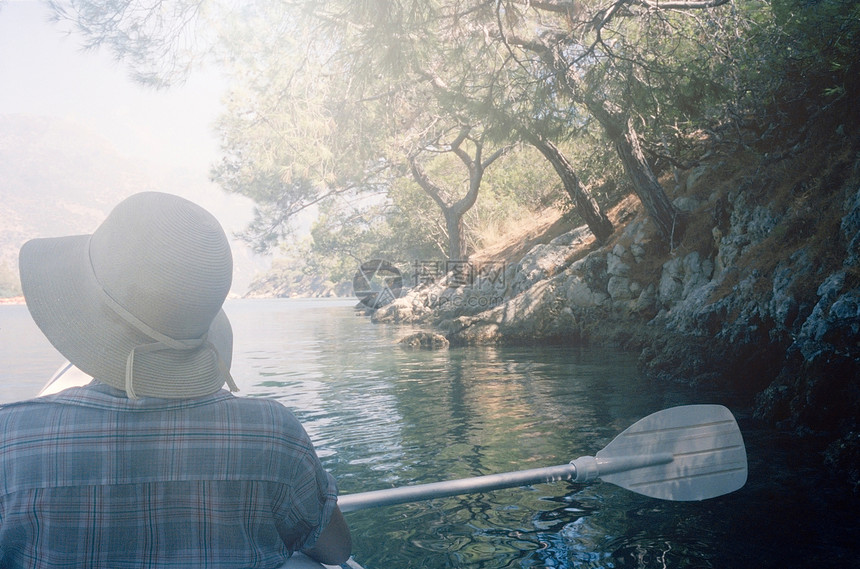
(162, 342)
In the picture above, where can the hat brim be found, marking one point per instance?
(66, 302)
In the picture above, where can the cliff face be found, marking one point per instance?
(761, 297)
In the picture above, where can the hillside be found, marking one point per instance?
(60, 179)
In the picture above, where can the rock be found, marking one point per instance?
(615, 265)
(850, 228)
(686, 204)
(424, 341)
(683, 275)
(784, 306)
(847, 309)
(671, 285)
(542, 262)
(638, 251)
(646, 303)
(834, 324)
(400, 311)
(695, 174)
(697, 273)
(843, 456)
(593, 270)
(574, 237)
(619, 288)
(578, 293)
(748, 225)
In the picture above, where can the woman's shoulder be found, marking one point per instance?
(263, 409)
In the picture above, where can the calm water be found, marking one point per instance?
(382, 416)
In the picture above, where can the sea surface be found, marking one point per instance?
(383, 416)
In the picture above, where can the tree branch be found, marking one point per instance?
(495, 156)
(426, 184)
(461, 154)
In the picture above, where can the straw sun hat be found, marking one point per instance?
(137, 304)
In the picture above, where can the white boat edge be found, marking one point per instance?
(69, 376)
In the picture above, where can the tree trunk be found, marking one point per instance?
(586, 206)
(453, 213)
(664, 214)
(667, 219)
(456, 234)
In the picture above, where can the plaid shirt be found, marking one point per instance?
(89, 478)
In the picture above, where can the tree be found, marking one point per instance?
(454, 209)
(301, 130)
(619, 61)
(565, 54)
(399, 76)
(294, 133)
(586, 206)
(668, 220)
(510, 116)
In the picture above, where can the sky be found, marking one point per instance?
(45, 71)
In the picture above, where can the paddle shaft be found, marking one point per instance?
(390, 496)
(582, 469)
(692, 452)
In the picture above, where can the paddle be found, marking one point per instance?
(684, 453)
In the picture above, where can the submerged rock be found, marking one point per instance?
(424, 341)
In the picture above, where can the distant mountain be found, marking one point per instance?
(57, 178)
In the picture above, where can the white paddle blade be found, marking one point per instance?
(692, 452)
(65, 377)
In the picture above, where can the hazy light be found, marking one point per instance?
(44, 72)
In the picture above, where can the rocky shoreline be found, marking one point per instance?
(760, 298)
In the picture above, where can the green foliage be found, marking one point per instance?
(673, 71)
(291, 136)
(820, 44)
(520, 184)
(397, 227)
(161, 41)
